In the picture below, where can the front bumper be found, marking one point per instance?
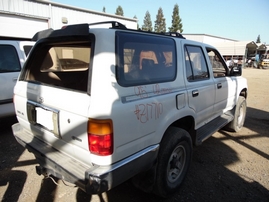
(93, 179)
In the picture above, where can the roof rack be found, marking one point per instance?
(114, 24)
(83, 30)
(176, 34)
(173, 34)
(118, 25)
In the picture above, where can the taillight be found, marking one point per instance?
(100, 137)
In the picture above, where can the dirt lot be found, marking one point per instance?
(227, 167)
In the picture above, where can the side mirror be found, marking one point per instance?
(236, 71)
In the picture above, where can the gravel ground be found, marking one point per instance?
(226, 167)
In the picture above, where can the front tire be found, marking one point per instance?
(173, 161)
(239, 116)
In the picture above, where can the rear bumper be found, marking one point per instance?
(93, 179)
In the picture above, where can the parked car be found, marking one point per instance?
(13, 54)
(136, 111)
(264, 61)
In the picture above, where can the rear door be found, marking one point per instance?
(200, 87)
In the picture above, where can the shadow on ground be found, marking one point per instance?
(208, 178)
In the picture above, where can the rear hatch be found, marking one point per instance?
(52, 96)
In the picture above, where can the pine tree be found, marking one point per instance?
(119, 11)
(147, 26)
(176, 21)
(258, 39)
(160, 25)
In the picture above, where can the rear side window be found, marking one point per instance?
(65, 64)
(9, 60)
(144, 59)
(196, 66)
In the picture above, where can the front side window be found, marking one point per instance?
(144, 59)
(64, 64)
(9, 61)
(196, 66)
(217, 63)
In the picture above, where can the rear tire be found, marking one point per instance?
(239, 116)
(173, 161)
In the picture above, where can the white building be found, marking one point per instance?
(23, 18)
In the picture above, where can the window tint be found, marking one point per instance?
(9, 61)
(196, 67)
(144, 59)
(63, 64)
(61, 59)
(218, 65)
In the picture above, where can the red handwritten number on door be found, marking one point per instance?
(149, 111)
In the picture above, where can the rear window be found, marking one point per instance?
(196, 66)
(64, 64)
(144, 59)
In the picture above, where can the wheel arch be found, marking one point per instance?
(146, 180)
(187, 123)
(244, 93)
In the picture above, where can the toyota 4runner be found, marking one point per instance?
(98, 106)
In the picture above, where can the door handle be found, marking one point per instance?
(195, 93)
(219, 85)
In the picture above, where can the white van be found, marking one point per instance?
(13, 54)
(98, 106)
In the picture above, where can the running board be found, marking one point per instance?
(213, 126)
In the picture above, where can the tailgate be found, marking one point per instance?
(54, 115)
(52, 96)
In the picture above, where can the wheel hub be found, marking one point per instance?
(176, 163)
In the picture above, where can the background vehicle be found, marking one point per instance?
(264, 61)
(13, 53)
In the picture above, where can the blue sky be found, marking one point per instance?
(233, 19)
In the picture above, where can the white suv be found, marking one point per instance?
(98, 106)
(13, 54)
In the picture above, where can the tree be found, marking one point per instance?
(147, 26)
(160, 25)
(104, 9)
(176, 21)
(119, 11)
(258, 39)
